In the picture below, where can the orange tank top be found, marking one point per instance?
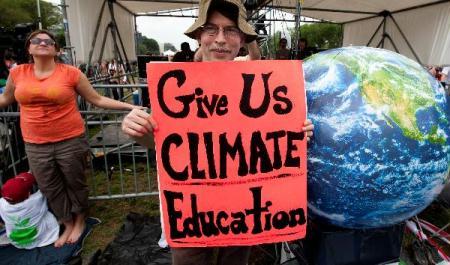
(48, 106)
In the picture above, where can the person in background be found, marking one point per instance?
(10, 59)
(304, 50)
(53, 129)
(185, 55)
(123, 79)
(445, 78)
(113, 69)
(283, 53)
(28, 222)
(432, 70)
(63, 57)
(222, 30)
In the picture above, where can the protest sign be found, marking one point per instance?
(231, 153)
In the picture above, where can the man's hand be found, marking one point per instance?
(308, 127)
(138, 123)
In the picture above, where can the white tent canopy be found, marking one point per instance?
(424, 23)
(83, 16)
(169, 53)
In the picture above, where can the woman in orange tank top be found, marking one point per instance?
(53, 129)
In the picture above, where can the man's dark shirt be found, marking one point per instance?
(305, 53)
(183, 56)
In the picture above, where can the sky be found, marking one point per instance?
(166, 29)
(171, 30)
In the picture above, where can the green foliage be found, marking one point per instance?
(322, 35)
(269, 48)
(25, 11)
(147, 46)
(319, 35)
(169, 46)
(60, 37)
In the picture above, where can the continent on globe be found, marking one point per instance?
(381, 148)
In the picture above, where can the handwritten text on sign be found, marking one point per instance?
(231, 153)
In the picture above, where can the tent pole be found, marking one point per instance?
(297, 29)
(97, 27)
(274, 34)
(102, 49)
(384, 32)
(135, 37)
(406, 40)
(329, 10)
(376, 31)
(116, 30)
(259, 8)
(392, 42)
(379, 43)
(114, 38)
(66, 30)
(39, 18)
(124, 8)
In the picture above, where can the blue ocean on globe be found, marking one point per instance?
(381, 148)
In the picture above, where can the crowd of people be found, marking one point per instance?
(302, 52)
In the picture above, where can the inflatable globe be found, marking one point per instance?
(381, 148)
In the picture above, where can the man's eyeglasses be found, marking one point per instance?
(228, 32)
(37, 41)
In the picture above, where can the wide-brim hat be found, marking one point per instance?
(203, 12)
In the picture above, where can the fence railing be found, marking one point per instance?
(119, 167)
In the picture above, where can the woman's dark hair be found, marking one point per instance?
(36, 32)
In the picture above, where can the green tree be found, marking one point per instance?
(319, 35)
(270, 46)
(60, 36)
(147, 46)
(169, 46)
(25, 11)
(322, 35)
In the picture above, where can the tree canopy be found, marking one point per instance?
(147, 46)
(319, 35)
(25, 11)
(322, 35)
(169, 46)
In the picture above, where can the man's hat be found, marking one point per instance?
(241, 22)
(18, 189)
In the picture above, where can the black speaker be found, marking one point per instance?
(330, 245)
(144, 59)
(142, 69)
(22, 30)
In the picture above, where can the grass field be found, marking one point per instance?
(112, 214)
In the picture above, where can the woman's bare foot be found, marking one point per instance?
(78, 228)
(68, 227)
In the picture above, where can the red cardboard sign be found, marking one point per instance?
(231, 154)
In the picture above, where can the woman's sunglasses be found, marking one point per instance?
(37, 41)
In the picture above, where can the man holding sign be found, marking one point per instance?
(231, 150)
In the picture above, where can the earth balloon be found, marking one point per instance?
(381, 149)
